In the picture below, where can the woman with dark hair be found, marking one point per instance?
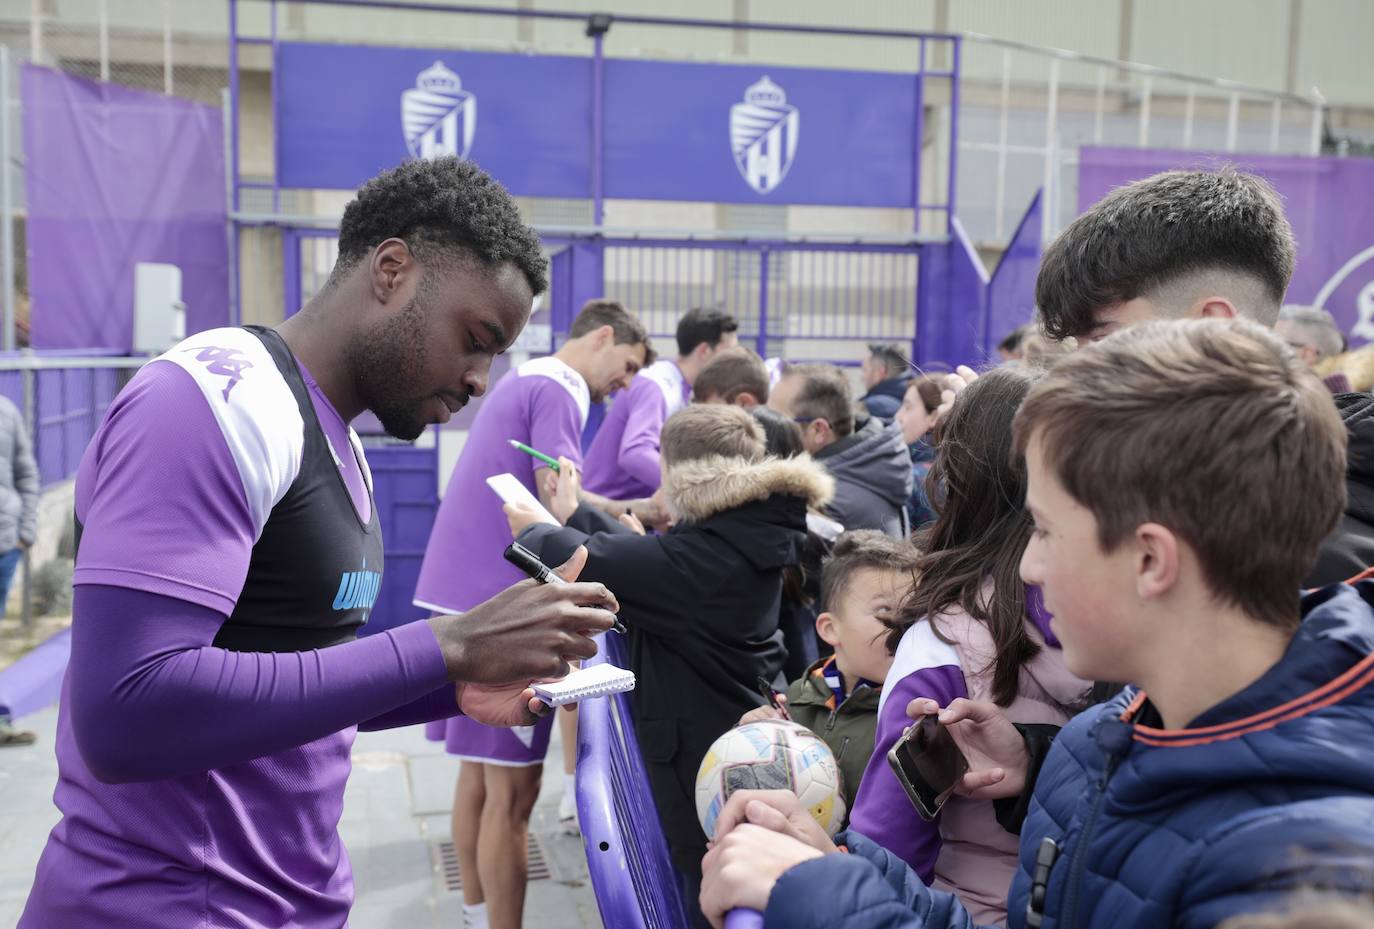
(782, 436)
(969, 628)
(916, 416)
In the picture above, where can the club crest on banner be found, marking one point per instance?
(764, 131)
(438, 117)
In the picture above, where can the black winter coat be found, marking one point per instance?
(701, 605)
(1350, 547)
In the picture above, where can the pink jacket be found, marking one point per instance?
(966, 851)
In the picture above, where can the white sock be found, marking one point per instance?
(474, 916)
(567, 804)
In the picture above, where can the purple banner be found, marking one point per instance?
(1011, 292)
(117, 176)
(752, 134)
(347, 112)
(1327, 203)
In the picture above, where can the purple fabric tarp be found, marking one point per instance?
(116, 176)
(1327, 200)
(1011, 292)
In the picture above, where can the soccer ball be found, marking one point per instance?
(771, 754)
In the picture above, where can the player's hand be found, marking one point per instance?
(954, 385)
(629, 521)
(501, 705)
(775, 810)
(566, 489)
(995, 749)
(760, 713)
(528, 631)
(520, 516)
(742, 869)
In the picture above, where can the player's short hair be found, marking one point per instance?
(703, 325)
(443, 209)
(626, 326)
(732, 372)
(891, 357)
(859, 549)
(1140, 239)
(1211, 428)
(824, 394)
(710, 430)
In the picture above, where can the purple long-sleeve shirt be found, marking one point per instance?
(924, 666)
(622, 462)
(200, 786)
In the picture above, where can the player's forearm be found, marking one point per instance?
(437, 704)
(152, 698)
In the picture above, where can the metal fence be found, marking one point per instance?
(63, 399)
(1026, 110)
(787, 296)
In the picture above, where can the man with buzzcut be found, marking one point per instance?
(229, 551)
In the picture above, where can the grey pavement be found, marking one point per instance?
(396, 811)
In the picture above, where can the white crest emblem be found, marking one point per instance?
(437, 115)
(764, 131)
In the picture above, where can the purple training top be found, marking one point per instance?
(622, 462)
(542, 403)
(200, 786)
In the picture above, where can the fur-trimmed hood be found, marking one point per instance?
(697, 490)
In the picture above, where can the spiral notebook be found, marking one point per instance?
(596, 681)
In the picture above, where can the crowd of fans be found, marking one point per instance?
(1086, 561)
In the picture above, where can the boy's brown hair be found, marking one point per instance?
(857, 550)
(703, 431)
(1212, 428)
(628, 328)
(731, 372)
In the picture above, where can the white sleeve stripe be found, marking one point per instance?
(564, 376)
(255, 409)
(919, 649)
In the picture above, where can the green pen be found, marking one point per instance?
(551, 462)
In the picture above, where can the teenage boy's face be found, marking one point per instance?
(1087, 592)
(855, 628)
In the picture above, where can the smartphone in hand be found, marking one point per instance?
(928, 765)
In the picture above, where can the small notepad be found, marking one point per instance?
(508, 487)
(596, 681)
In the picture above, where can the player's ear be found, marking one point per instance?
(390, 269)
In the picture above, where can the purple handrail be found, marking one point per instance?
(634, 880)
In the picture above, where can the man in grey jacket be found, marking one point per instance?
(870, 464)
(18, 519)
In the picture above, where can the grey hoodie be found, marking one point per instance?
(872, 471)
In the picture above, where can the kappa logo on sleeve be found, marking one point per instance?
(223, 362)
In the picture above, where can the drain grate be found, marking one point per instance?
(453, 875)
